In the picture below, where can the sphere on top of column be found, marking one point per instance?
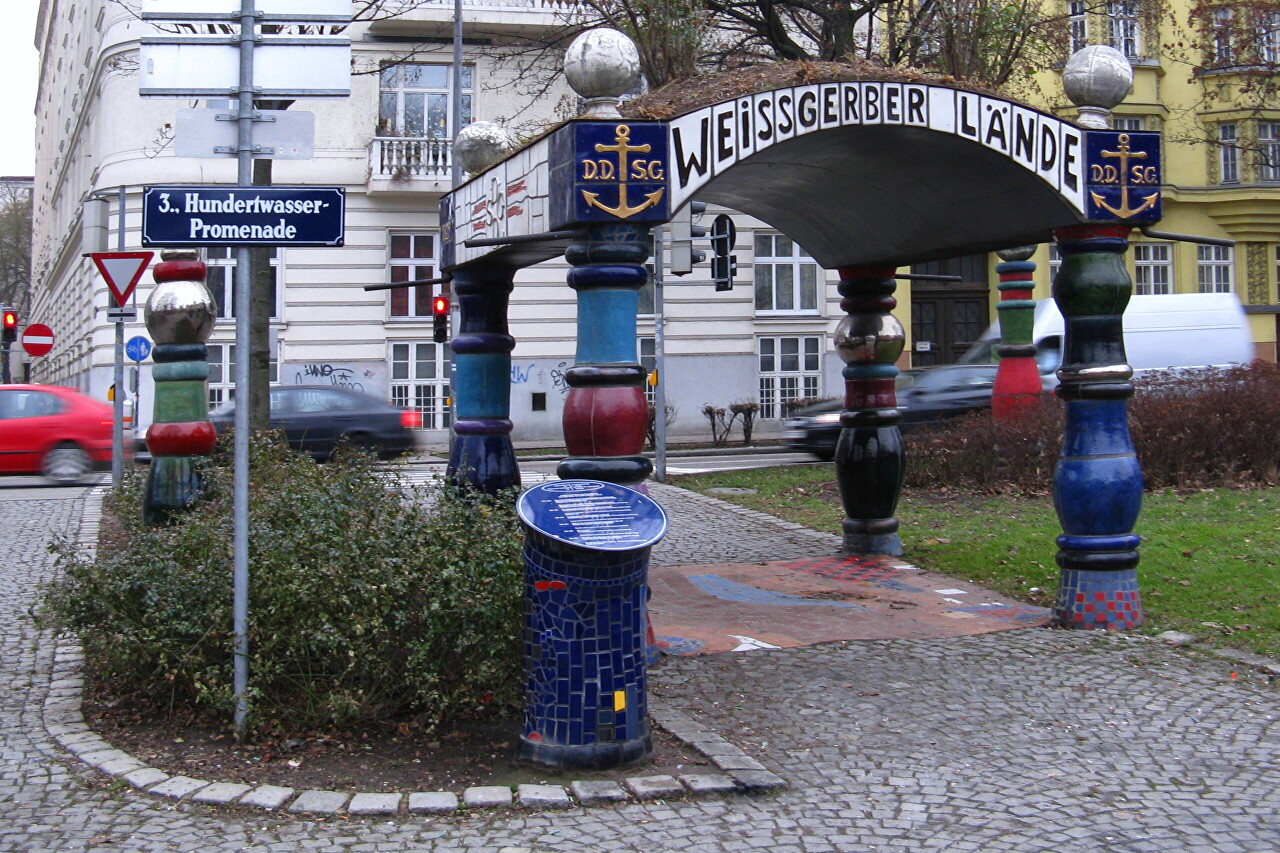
(483, 144)
(869, 336)
(1017, 253)
(180, 309)
(602, 65)
(1096, 78)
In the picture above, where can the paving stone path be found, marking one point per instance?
(1024, 740)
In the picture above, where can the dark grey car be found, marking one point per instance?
(924, 396)
(316, 418)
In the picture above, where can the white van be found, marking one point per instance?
(1181, 331)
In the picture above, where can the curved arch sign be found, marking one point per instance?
(879, 173)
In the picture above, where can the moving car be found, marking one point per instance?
(56, 432)
(924, 396)
(317, 418)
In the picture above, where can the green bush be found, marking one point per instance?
(366, 603)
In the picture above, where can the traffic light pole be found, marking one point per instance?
(659, 367)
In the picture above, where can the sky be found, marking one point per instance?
(19, 68)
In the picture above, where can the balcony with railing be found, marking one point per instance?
(410, 164)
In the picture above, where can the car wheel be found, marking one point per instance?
(362, 442)
(826, 454)
(66, 463)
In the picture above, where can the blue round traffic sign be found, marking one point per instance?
(137, 348)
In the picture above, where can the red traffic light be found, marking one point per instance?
(440, 305)
(10, 319)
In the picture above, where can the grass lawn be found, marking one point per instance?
(1209, 558)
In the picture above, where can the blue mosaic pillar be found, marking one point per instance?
(606, 416)
(870, 460)
(1097, 484)
(482, 455)
(586, 554)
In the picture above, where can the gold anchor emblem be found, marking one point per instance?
(1124, 155)
(623, 147)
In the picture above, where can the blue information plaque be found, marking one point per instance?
(594, 515)
(609, 171)
(1122, 176)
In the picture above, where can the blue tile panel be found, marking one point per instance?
(728, 590)
(585, 627)
(872, 570)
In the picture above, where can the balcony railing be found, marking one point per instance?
(406, 158)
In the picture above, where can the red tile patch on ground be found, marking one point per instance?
(741, 606)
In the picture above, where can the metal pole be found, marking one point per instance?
(659, 356)
(117, 403)
(240, 449)
(455, 169)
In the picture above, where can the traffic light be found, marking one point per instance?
(723, 265)
(440, 319)
(683, 233)
(10, 325)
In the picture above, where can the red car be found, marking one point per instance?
(57, 432)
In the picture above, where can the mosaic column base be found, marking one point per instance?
(1106, 600)
(173, 485)
(485, 461)
(585, 688)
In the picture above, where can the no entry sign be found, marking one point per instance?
(37, 339)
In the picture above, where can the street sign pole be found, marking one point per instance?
(240, 449)
(659, 367)
(117, 403)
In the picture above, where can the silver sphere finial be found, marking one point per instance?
(602, 65)
(482, 144)
(1096, 78)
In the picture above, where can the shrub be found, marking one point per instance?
(1215, 428)
(365, 602)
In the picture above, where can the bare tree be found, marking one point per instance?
(15, 246)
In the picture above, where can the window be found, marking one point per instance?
(220, 279)
(1269, 151)
(222, 371)
(413, 258)
(1122, 26)
(1127, 122)
(1214, 269)
(420, 374)
(1228, 154)
(414, 100)
(786, 276)
(1078, 23)
(1153, 269)
(790, 370)
(1267, 37)
(1224, 53)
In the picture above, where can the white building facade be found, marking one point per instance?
(388, 145)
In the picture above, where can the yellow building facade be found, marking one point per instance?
(1205, 77)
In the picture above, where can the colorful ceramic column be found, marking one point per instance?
(1017, 389)
(870, 461)
(180, 314)
(482, 455)
(605, 413)
(1097, 484)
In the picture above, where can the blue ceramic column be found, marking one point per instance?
(605, 415)
(482, 455)
(1097, 484)
(870, 460)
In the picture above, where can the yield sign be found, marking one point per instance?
(121, 271)
(37, 339)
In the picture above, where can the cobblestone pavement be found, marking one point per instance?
(1018, 741)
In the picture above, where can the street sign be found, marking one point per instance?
(243, 216)
(173, 67)
(122, 270)
(137, 348)
(279, 135)
(37, 339)
(122, 315)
